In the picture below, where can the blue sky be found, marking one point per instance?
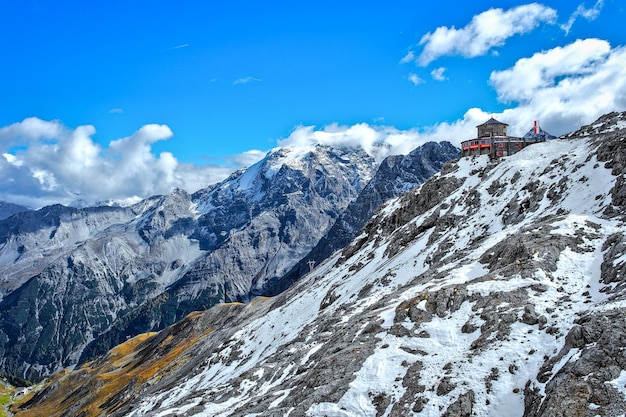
(119, 100)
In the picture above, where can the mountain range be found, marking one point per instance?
(496, 288)
(76, 282)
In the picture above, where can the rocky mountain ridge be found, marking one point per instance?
(9, 209)
(496, 288)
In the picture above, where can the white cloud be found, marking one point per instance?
(409, 57)
(27, 130)
(581, 11)
(381, 141)
(548, 68)
(247, 158)
(565, 86)
(11, 159)
(486, 30)
(415, 79)
(45, 162)
(245, 80)
(116, 110)
(360, 135)
(438, 74)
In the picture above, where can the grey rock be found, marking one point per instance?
(395, 176)
(445, 386)
(601, 338)
(530, 317)
(462, 407)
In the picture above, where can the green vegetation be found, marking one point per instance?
(5, 399)
(16, 381)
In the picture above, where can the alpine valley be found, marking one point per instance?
(494, 288)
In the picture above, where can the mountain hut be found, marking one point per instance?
(494, 141)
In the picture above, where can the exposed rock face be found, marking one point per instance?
(254, 227)
(75, 272)
(588, 373)
(395, 176)
(494, 289)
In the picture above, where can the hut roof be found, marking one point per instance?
(493, 121)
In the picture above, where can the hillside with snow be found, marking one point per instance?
(496, 288)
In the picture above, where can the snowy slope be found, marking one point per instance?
(494, 289)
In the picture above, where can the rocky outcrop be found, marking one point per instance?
(588, 375)
(395, 176)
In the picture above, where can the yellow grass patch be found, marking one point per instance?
(102, 382)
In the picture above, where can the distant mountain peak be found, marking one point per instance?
(538, 134)
(9, 209)
(126, 270)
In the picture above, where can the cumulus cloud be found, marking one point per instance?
(415, 79)
(383, 141)
(486, 30)
(438, 74)
(409, 57)
(28, 130)
(565, 86)
(247, 158)
(45, 162)
(582, 11)
(359, 135)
